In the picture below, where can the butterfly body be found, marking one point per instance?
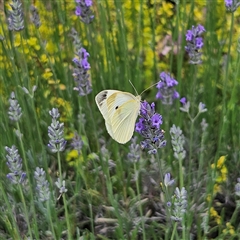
(120, 111)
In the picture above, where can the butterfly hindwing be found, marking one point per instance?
(123, 121)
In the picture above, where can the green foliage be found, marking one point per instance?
(106, 194)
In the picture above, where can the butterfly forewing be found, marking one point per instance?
(120, 111)
(101, 100)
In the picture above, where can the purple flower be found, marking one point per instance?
(35, 16)
(134, 153)
(228, 3)
(83, 10)
(183, 100)
(78, 11)
(186, 105)
(201, 107)
(232, 5)
(80, 72)
(55, 132)
(166, 89)
(149, 126)
(199, 42)
(14, 163)
(42, 185)
(15, 16)
(15, 111)
(88, 3)
(156, 120)
(167, 180)
(194, 43)
(189, 35)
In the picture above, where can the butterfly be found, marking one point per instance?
(120, 111)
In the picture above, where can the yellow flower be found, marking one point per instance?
(72, 154)
(218, 219)
(216, 188)
(224, 170)
(213, 212)
(51, 81)
(43, 58)
(221, 161)
(209, 198)
(62, 87)
(51, 47)
(17, 40)
(47, 74)
(33, 42)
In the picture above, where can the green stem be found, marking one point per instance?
(49, 215)
(136, 171)
(15, 230)
(29, 181)
(25, 211)
(64, 198)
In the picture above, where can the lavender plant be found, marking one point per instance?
(80, 72)
(178, 141)
(15, 111)
(15, 16)
(179, 204)
(83, 10)
(149, 126)
(42, 185)
(14, 163)
(194, 43)
(77, 142)
(55, 132)
(134, 151)
(35, 16)
(166, 89)
(232, 5)
(57, 144)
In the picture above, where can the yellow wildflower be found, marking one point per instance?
(43, 58)
(213, 212)
(47, 74)
(216, 188)
(33, 42)
(51, 47)
(221, 161)
(72, 154)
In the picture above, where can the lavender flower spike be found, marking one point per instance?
(180, 204)
(149, 126)
(55, 133)
(35, 18)
(15, 16)
(42, 184)
(83, 10)
(166, 89)
(14, 163)
(80, 72)
(194, 43)
(232, 5)
(15, 111)
(178, 141)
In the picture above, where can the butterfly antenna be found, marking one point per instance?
(133, 87)
(148, 88)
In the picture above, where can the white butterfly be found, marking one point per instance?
(120, 111)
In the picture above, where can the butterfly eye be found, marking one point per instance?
(116, 107)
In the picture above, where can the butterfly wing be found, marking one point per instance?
(123, 110)
(120, 111)
(101, 101)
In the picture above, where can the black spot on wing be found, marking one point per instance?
(101, 97)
